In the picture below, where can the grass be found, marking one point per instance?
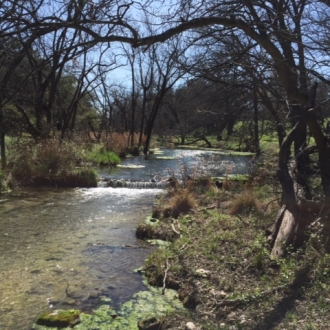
(119, 143)
(221, 263)
(239, 142)
(98, 155)
(28, 158)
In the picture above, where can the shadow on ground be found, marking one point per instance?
(287, 304)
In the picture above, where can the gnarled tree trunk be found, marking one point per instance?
(298, 209)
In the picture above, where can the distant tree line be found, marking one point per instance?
(196, 68)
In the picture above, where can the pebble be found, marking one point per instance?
(190, 326)
(231, 316)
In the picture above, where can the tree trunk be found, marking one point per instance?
(2, 138)
(230, 127)
(256, 122)
(298, 208)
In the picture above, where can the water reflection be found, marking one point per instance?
(65, 248)
(179, 163)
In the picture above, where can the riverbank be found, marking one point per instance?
(218, 259)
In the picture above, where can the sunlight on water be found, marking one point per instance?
(191, 162)
(65, 248)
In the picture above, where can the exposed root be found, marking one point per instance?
(165, 276)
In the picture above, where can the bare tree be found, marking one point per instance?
(277, 28)
(291, 35)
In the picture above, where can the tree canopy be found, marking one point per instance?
(275, 51)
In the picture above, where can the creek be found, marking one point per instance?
(65, 248)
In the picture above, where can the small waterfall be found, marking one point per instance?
(132, 184)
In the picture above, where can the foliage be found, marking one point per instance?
(101, 156)
(43, 158)
(50, 161)
(84, 177)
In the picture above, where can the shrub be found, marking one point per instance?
(118, 142)
(87, 177)
(50, 162)
(47, 157)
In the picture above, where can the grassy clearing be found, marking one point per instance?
(218, 259)
(240, 142)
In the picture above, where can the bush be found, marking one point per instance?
(47, 157)
(50, 162)
(81, 178)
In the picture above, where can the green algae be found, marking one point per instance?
(166, 158)
(156, 151)
(59, 318)
(233, 177)
(133, 166)
(159, 242)
(143, 305)
(149, 220)
(219, 151)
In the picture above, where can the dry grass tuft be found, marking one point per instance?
(201, 185)
(226, 185)
(243, 203)
(182, 202)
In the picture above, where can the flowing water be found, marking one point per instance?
(179, 162)
(64, 248)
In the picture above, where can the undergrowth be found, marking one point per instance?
(49, 162)
(100, 156)
(47, 157)
(220, 261)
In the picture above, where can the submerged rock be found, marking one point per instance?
(149, 324)
(59, 318)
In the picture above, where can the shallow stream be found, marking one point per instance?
(66, 248)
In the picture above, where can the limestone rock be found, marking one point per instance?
(190, 326)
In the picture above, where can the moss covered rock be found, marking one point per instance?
(59, 318)
(149, 324)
